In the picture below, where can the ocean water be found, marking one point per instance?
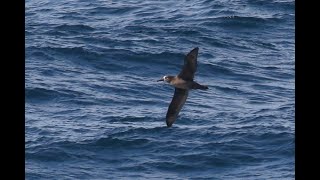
(95, 111)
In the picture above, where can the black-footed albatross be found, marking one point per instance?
(183, 82)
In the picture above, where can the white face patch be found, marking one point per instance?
(164, 77)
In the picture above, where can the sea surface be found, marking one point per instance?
(95, 111)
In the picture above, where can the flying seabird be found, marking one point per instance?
(183, 82)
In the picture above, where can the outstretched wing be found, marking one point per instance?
(190, 65)
(178, 100)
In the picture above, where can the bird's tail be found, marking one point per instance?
(199, 86)
(203, 87)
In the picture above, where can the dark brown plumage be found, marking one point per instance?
(178, 100)
(183, 82)
(190, 65)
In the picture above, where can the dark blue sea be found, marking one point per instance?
(95, 111)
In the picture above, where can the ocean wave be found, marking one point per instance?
(74, 27)
(41, 94)
(69, 150)
(119, 10)
(121, 143)
(227, 70)
(50, 154)
(285, 4)
(39, 54)
(241, 22)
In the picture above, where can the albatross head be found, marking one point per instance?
(166, 78)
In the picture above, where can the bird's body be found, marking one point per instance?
(178, 82)
(183, 82)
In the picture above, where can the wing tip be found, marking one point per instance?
(194, 53)
(169, 122)
(195, 49)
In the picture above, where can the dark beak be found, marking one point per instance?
(160, 80)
